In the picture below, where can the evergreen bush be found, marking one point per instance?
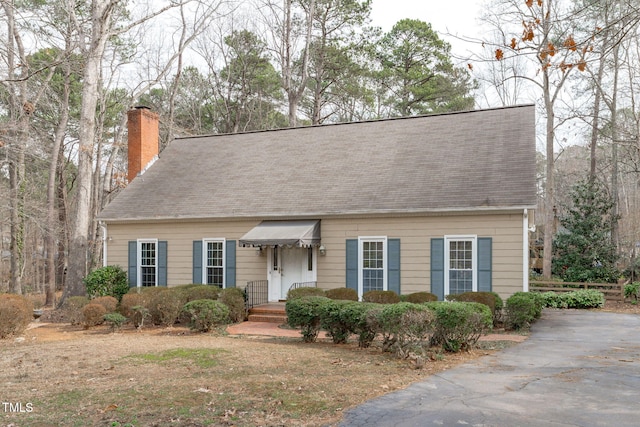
(354, 314)
(419, 297)
(305, 313)
(381, 297)
(522, 309)
(206, 314)
(107, 281)
(333, 321)
(459, 325)
(304, 292)
(165, 306)
(348, 294)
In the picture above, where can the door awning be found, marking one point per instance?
(302, 234)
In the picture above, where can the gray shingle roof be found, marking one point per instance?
(482, 159)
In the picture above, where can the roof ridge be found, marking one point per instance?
(448, 113)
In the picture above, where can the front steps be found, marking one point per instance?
(273, 312)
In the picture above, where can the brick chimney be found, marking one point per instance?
(144, 139)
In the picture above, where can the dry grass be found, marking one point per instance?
(162, 377)
(172, 377)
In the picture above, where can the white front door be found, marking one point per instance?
(288, 266)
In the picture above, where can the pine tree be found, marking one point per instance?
(583, 251)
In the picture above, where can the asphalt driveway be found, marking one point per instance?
(578, 368)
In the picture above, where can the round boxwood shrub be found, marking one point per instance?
(355, 315)
(332, 320)
(419, 297)
(304, 292)
(348, 294)
(206, 314)
(194, 292)
(459, 325)
(93, 315)
(234, 299)
(406, 328)
(381, 297)
(16, 312)
(165, 306)
(107, 281)
(109, 303)
(305, 313)
(522, 309)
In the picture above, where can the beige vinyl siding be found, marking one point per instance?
(415, 234)
(180, 237)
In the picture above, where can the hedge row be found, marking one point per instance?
(200, 306)
(405, 328)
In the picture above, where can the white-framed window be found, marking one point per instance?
(147, 262)
(461, 271)
(372, 268)
(213, 261)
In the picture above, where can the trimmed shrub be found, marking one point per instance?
(107, 281)
(632, 290)
(16, 312)
(348, 294)
(419, 297)
(355, 315)
(93, 315)
(304, 292)
(195, 292)
(206, 314)
(406, 328)
(72, 309)
(332, 320)
(116, 320)
(459, 325)
(522, 309)
(129, 301)
(584, 298)
(165, 306)
(139, 314)
(109, 303)
(305, 313)
(554, 300)
(234, 299)
(381, 297)
(486, 298)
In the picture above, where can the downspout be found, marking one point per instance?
(104, 244)
(525, 250)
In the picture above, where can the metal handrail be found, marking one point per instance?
(256, 292)
(297, 285)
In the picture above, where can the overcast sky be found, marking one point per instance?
(458, 17)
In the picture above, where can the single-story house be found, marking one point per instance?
(439, 203)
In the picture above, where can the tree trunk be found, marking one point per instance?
(101, 12)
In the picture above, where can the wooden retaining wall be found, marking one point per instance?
(611, 291)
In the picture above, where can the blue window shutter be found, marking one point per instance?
(197, 262)
(485, 258)
(162, 263)
(133, 261)
(352, 264)
(393, 265)
(437, 268)
(230, 264)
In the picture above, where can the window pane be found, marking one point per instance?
(148, 264)
(372, 266)
(460, 266)
(215, 270)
